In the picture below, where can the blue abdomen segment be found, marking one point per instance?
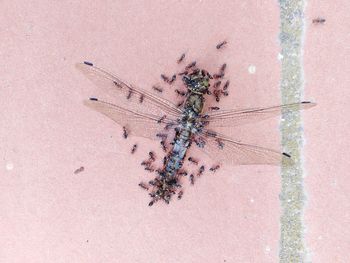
(177, 155)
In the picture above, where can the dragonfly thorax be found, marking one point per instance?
(194, 105)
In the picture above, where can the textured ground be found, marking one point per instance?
(240, 214)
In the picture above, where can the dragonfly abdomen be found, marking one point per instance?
(180, 145)
(182, 141)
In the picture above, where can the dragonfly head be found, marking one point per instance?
(196, 82)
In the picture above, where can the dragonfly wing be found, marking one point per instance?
(224, 149)
(225, 118)
(139, 124)
(127, 96)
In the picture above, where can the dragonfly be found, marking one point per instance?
(186, 125)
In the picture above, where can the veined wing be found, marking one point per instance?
(140, 124)
(127, 96)
(224, 118)
(227, 150)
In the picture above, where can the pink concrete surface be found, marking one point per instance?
(50, 214)
(326, 131)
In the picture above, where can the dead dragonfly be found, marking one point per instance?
(188, 122)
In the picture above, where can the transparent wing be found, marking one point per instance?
(225, 118)
(139, 124)
(127, 96)
(224, 149)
